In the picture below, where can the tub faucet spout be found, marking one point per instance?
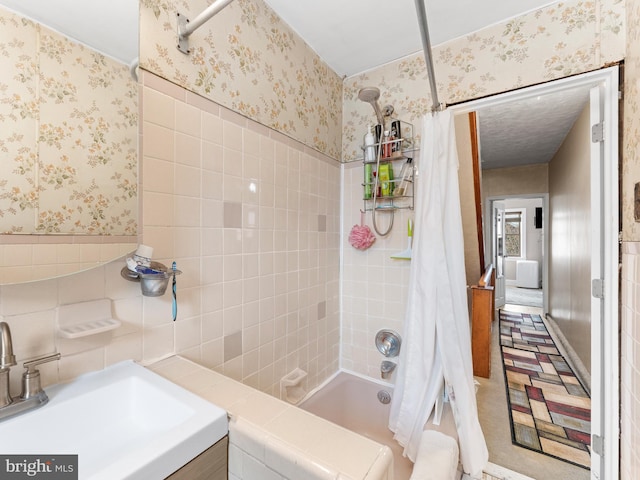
(387, 368)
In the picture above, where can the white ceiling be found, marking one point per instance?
(109, 26)
(529, 131)
(353, 36)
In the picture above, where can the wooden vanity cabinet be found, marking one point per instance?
(211, 464)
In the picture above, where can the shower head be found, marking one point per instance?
(371, 95)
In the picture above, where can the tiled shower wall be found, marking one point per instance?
(252, 219)
(630, 361)
(374, 285)
(630, 288)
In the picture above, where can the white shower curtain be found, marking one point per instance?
(437, 343)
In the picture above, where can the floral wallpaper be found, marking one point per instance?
(630, 423)
(556, 41)
(247, 59)
(631, 123)
(69, 136)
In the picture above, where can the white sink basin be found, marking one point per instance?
(124, 422)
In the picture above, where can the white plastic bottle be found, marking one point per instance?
(369, 146)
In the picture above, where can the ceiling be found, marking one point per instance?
(354, 36)
(109, 26)
(523, 132)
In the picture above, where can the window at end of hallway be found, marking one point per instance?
(514, 229)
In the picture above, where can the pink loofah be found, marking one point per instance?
(361, 237)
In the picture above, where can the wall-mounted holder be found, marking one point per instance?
(85, 326)
(291, 388)
(83, 319)
(152, 284)
(186, 27)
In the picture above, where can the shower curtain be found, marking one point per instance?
(437, 344)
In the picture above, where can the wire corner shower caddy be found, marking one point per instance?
(398, 193)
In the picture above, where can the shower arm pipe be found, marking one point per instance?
(186, 27)
(426, 46)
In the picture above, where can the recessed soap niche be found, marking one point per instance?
(292, 387)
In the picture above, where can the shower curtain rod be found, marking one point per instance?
(186, 27)
(426, 46)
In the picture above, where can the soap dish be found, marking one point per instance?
(291, 386)
(89, 328)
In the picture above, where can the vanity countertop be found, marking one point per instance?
(282, 437)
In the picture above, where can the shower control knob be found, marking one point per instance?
(388, 343)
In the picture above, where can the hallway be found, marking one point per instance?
(494, 418)
(531, 297)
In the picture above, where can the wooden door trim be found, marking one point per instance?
(475, 154)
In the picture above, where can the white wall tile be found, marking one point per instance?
(28, 297)
(252, 469)
(158, 342)
(188, 119)
(71, 366)
(194, 161)
(158, 108)
(629, 372)
(124, 347)
(82, 287)
(33, 334)
(188, 333)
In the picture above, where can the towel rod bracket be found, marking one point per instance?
(183, 36)
(187, 27)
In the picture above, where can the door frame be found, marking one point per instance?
(605, 390)
(497, 251)
(545, 237)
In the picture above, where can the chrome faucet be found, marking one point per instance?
(387, 368)
(32, 395)
(7, 360)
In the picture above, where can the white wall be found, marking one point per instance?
(570, 238)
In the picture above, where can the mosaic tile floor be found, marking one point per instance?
(550, 411)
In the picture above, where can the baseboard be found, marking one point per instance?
(496, 471)
(567, 351)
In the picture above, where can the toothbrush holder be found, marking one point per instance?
(152, 284)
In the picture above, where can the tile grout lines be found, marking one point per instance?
(550, 411)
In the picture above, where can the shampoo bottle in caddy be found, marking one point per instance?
(368, 180)
(386, 145)
(396, 146)
(369, 145)
(385, 178)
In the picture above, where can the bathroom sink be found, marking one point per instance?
(124, 422)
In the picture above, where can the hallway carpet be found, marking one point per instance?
(549, 409)
(523, 296)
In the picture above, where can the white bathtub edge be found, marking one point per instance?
(382, 466)
(348, 372)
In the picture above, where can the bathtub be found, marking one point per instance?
(352, 402)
